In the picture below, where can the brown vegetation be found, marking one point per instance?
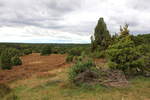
(33, 64)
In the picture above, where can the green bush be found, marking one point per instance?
(75, 51)
(69, 58)
(16, 61)
(78, 68)
(27, 51)
(125, 56)
(5, 60)
(13, 52)
(46, 50)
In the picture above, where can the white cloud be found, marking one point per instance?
(27, 34)
(68, 20)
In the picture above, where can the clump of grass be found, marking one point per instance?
(4, 90)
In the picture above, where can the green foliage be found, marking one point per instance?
(46, 50)
(124, 31)
(16, 61)
(5, 60)
(144, 62)
(27, 51)
(101, 36)
(75, 51)
(99, 54)
(125, 56)
(69, 58)
(12, 52)
(142, 39)
(78, 68)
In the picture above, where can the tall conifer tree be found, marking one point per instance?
(101, 36)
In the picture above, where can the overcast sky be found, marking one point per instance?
(68, 21)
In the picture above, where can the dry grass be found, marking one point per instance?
(58, 88)
(33, 64)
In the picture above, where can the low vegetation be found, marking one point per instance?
(27, 51)
(78, 68)
(10, 57)
(16, 61)
(5, 60)
(46, 50)
(69, 58)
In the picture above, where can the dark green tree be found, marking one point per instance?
(101, 36)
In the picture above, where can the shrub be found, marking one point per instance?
(79, 68)
(16, 61)
(124, 56)
(13, 52)
(75, 51)
(27, 51)
(5, 60)
(69, 58)
(46, 50)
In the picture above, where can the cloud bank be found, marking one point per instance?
(68, 21)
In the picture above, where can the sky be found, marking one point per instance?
(69, 21)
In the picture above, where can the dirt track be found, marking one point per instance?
(33, 64)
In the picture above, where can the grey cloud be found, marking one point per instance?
(85, 28)
(42, 13)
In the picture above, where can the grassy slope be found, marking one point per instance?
(56, 87)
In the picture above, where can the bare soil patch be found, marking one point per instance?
(33, 64)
